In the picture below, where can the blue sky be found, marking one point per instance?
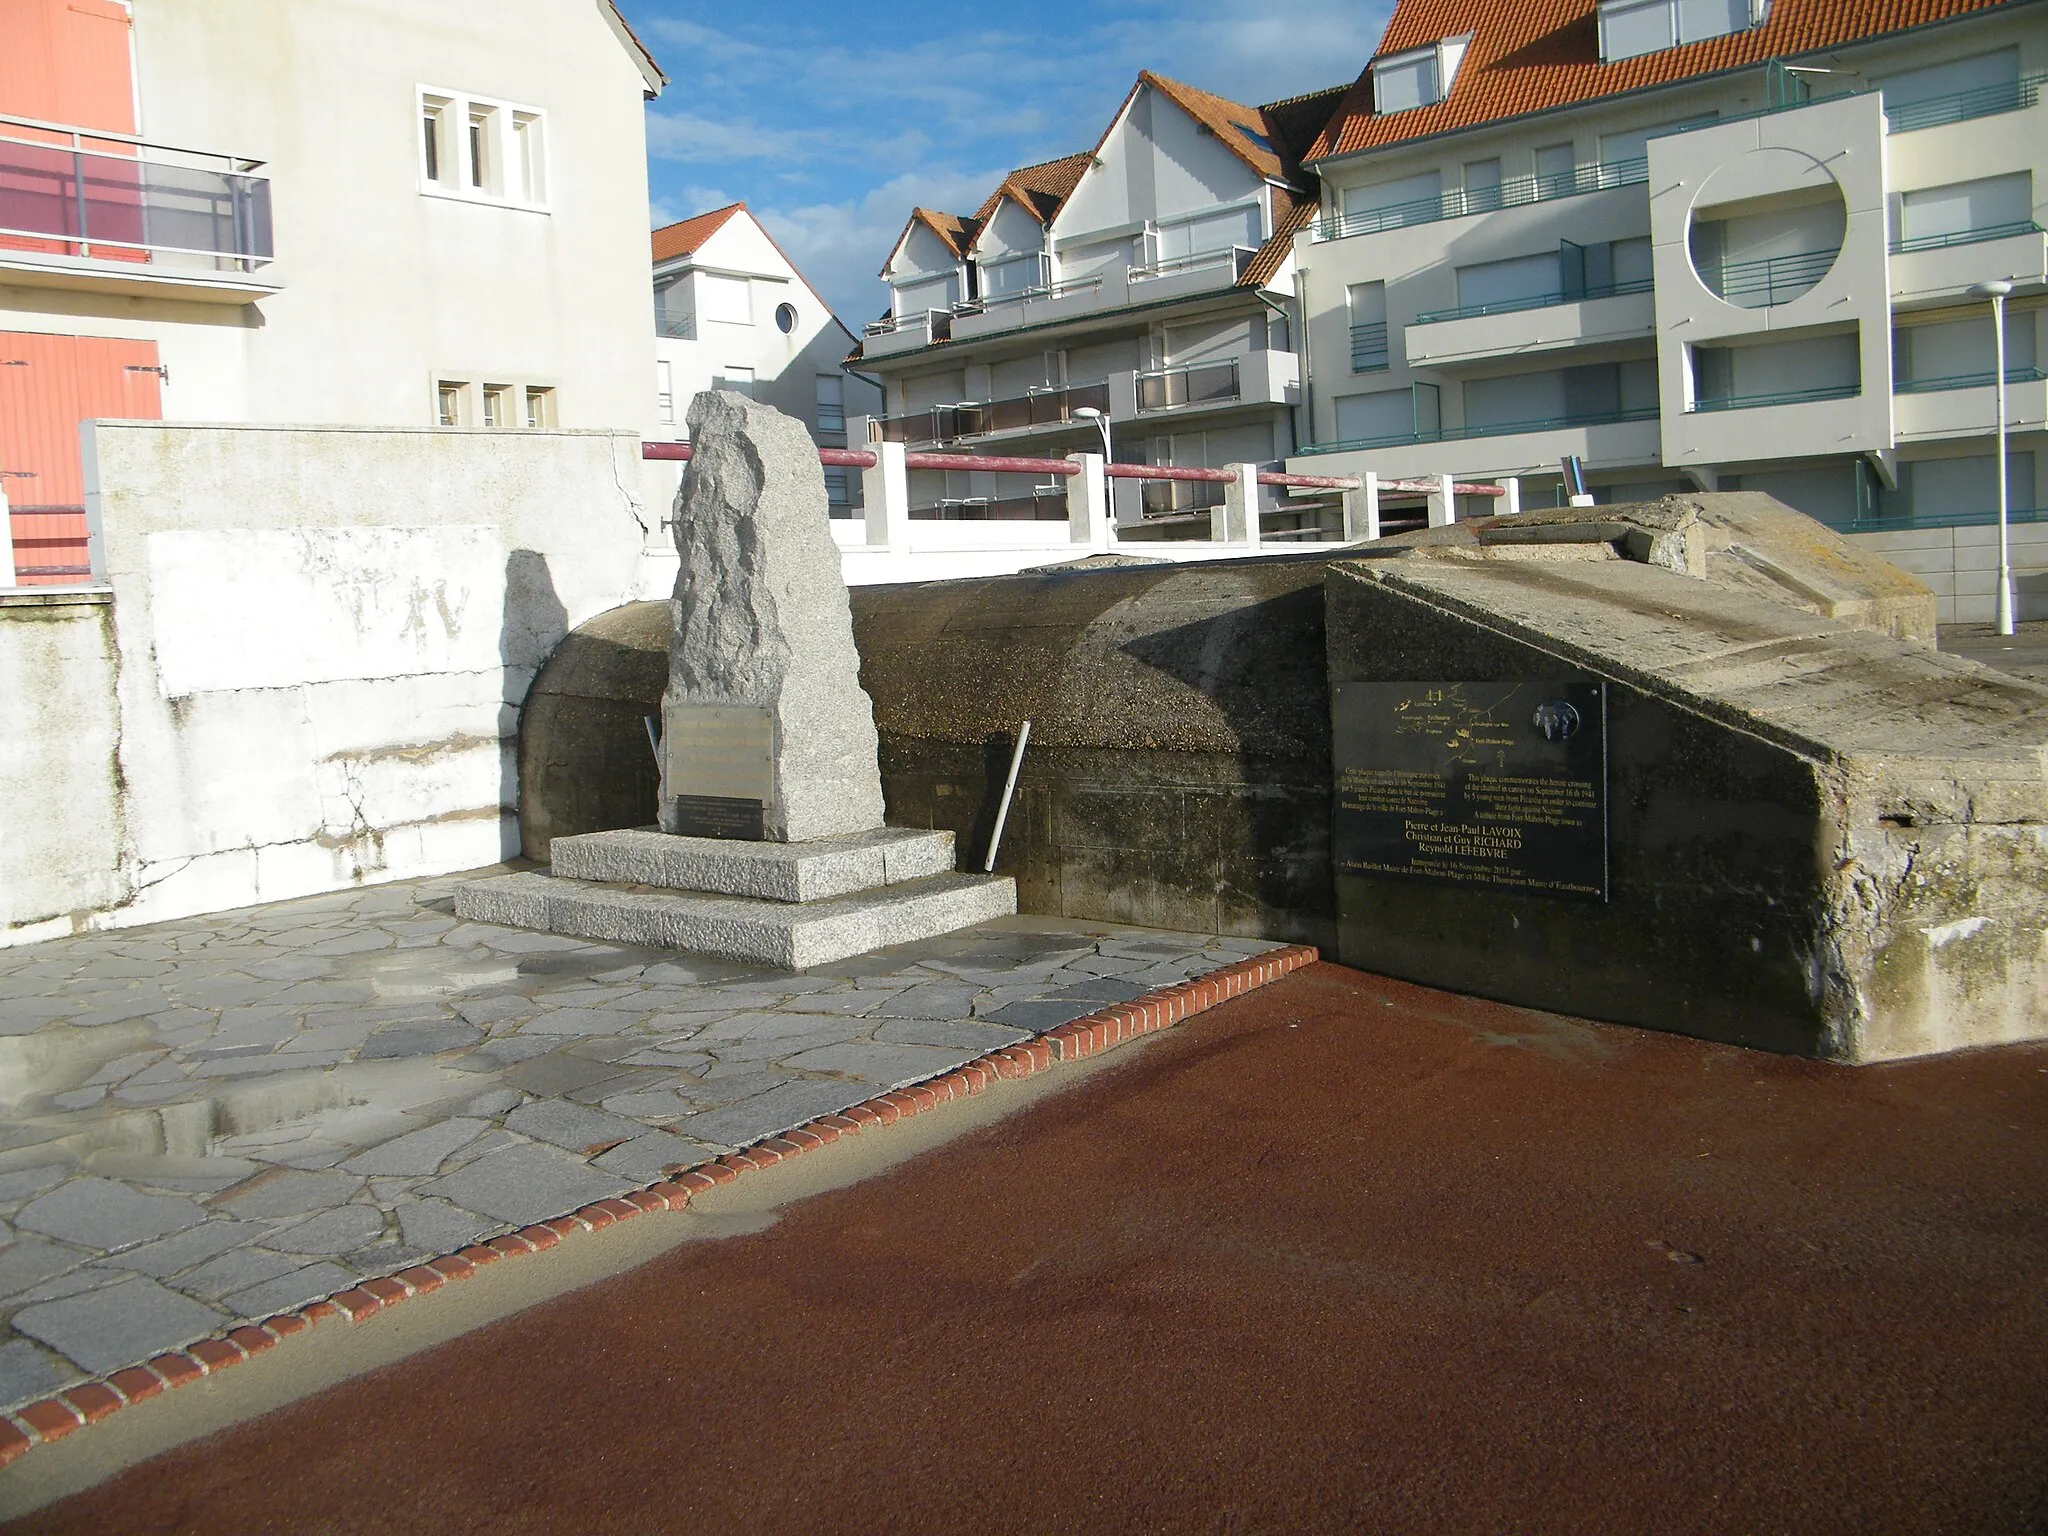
(832, 123)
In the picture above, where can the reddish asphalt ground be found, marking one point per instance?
(1343, 1255)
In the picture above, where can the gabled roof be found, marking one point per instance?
(955, 230)
(1238, 128)
(1531, 55)
(649, 70)
(1038, 189)
(673, 241)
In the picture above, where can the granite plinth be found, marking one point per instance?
(815, 870)
(791, 935)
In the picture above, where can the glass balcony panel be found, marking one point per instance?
(74, 202)
(1961, 106)
(1513, 192)
(1442, 434)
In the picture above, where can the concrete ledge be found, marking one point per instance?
(816, 870)
(788, 935)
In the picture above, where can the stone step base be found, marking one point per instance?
(809, 871)
(788, 935)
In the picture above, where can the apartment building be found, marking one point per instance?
(332, 212)
(1139, 290)
(731, 311)
(1697, 243)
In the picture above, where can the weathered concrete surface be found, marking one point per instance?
(761, 616)
(1824, 839)
(60, 851)
(585, 763)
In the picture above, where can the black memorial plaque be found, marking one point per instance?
(1501, 784)
(719, 816)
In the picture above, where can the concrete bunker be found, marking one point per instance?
(1826, 837)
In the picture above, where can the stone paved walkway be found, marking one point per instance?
(211, 1121)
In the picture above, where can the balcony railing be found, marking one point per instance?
(676, 327)
(1203, 384)
(1965, 237)
(940, 321)
(1778, 397)
(1045, 291)
(1771, 280)
(948, 423)
(1369, 347)
(1489, 429)
(1960, 106)
(1236, 257)
(1513, 192)
(1982, 380)
(1045, 504)
(1534, 301)
(66, 192)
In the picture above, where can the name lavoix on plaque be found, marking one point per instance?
(1501, 784)
(719, 762)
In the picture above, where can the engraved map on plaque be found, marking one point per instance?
(720, 768)
(1501, 784)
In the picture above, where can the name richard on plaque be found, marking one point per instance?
(1499, 784)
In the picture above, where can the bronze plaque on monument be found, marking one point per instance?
(720, 768)
(1501, 784)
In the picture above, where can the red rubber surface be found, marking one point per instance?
(1341, 1255)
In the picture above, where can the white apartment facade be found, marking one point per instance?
(379, 213)
(1141, 286)
(731, 311)
(1699, 244)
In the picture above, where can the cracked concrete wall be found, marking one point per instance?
(59, 790)
(317, 648)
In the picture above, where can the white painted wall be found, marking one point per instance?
(320, 643)
(384, 287)
(1154, 165)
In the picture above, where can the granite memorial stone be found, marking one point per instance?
(767, 733)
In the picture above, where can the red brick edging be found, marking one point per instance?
(55, 1417)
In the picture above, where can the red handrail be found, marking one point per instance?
(860, 458)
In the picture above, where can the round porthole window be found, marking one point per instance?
(785, 318)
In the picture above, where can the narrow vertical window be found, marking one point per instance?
(448, 402)
(495, 396)
(430, 127)
(540, 406)
(527, 135)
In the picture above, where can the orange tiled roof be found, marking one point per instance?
(675, 240)
(1038, 189)
(1529, 55)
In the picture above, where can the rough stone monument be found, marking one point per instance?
(771, 844)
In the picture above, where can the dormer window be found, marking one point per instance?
(1631, 28)
(1417, 77)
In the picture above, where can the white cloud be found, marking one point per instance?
(832, 141)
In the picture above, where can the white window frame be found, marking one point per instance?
(1444, 56)
(1674, 29)
(514, 139)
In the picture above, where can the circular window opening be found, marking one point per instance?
(785, 318)
(1766, 228)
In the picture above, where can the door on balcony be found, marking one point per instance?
(68, 61)
(48, 385)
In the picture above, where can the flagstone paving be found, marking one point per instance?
(209, 1121)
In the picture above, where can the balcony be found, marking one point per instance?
(1045, 504)
(1771, 281)
(1171, 388)
(1237, 259)
(1547, 323)
(1778, 397)
(118, 214)
(906, 333)
(1944, 266)
(1514, 192)
(1492, 429)
(1961, 106)
(953, 423)
(1934, 410)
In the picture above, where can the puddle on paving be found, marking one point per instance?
(349, 1106)
(60, 1057)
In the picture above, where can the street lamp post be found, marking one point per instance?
(1101, 420)
(1996, 292)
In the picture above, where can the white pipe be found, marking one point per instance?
(995, 838)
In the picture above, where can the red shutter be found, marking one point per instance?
(48, 385)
